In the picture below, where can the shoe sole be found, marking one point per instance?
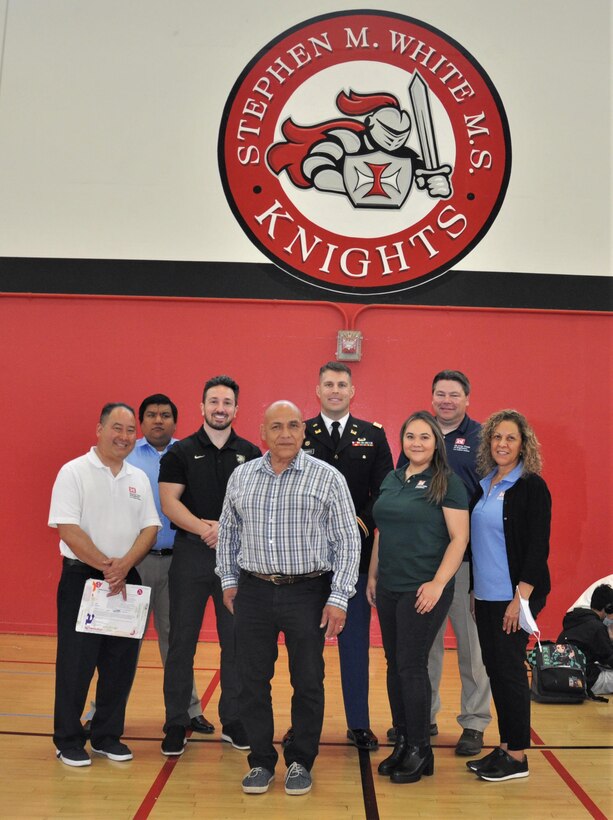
(468, 752)
(228, 739)
(111, 756)
(74, 763)
(173, 753)
(493, 779)
(297, 792)
(257, 789)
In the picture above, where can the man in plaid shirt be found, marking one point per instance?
(287, 557)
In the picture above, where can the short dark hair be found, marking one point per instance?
(338, 367)
(602, 596)
(452, 376)
(112, 405)
(157, 398)
(221, 381)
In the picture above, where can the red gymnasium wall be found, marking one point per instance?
(65, 356)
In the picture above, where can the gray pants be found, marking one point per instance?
(476, 695)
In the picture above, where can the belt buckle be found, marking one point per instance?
(277, 579)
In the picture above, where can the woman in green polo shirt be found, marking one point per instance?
(422, 521)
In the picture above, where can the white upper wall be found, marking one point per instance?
(110, 110)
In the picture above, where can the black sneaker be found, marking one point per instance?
(114, 750)
(74, 757)
(235, 734)
(483, 762)
(505, 768)
(174, 742)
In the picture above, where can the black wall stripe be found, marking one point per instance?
(265, 281)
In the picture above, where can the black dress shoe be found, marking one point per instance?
(202, 725)
(287, 738)
(363, 739)
(387, 766)
(470, 743)
(417, 761)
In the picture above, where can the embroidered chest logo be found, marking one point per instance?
(364, 151)
(134, 494)
(422, 484)
(461, 446)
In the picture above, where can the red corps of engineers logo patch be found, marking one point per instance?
(364, 152)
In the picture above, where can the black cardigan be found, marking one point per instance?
(526, 514)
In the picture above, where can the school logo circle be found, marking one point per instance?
(364, 152)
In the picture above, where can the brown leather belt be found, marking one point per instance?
(280, 580)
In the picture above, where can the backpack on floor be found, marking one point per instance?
(558, 673)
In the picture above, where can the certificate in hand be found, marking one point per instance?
(101, 614)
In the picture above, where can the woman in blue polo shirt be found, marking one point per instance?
(422, 521)
(510, 523)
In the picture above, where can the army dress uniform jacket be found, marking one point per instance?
(364, 458)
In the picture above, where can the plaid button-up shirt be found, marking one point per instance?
(300, 521)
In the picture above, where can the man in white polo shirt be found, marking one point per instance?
(107, 522)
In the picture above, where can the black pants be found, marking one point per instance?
(504, 657)
(261, 611)
(191, 582)
(78, 655)
(407, 640)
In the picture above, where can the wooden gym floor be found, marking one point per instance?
(570, 762)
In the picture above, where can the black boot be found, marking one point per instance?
(387, 766)
(417, 760)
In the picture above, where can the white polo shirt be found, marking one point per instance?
(112, 510)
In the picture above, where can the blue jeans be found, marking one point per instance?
(407, 639)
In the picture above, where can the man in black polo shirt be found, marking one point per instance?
(450, 398)
(193, 478)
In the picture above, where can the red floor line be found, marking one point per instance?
(570, 781)
(148, 804)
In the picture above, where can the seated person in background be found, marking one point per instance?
(590, 631)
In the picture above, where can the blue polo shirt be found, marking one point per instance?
(492, 579)
(148, 459)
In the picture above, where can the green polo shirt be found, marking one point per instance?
(413, 534)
